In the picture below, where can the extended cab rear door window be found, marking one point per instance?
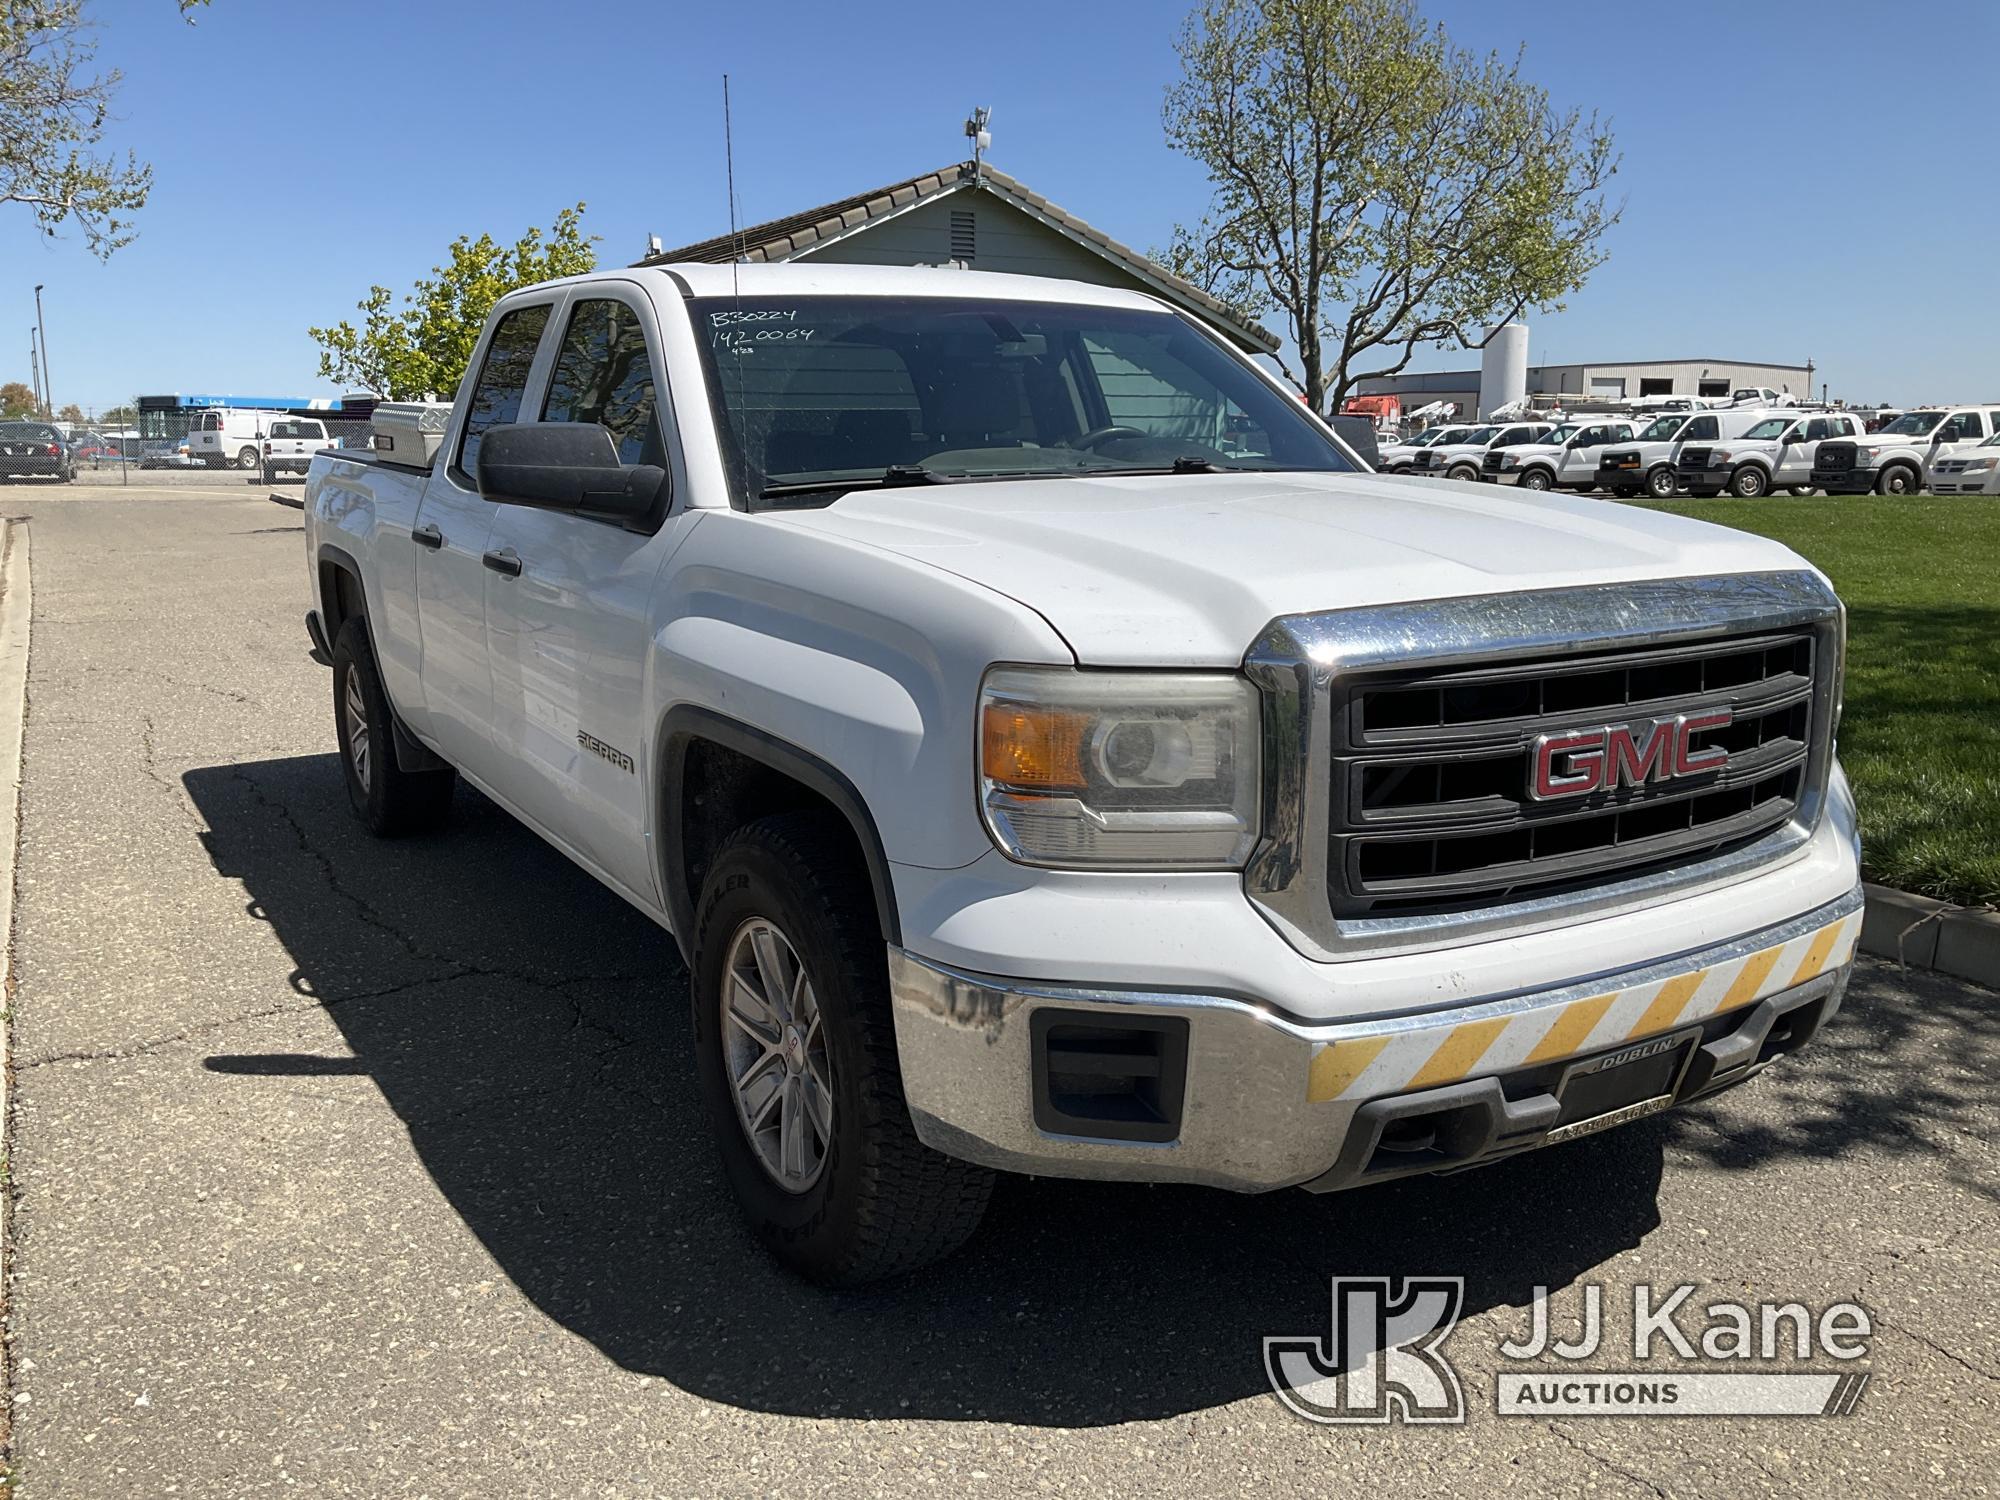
(603, 374)
(503, 379)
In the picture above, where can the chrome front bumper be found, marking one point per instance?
(1268, 1102)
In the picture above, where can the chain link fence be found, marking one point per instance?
(127, 445)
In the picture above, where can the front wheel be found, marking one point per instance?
(1748, 482)
(1661, 483)
(1463, 473)
(796, 1052)
(1897, 479)
(1535, 479)
(388, 800)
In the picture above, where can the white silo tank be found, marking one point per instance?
(1503, 373)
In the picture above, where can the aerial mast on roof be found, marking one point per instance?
(980, 136)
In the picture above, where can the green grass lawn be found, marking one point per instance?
(1921, 735)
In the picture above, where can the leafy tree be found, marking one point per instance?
(53, 110)
(71, 413)
(16, 400)
(118, 416)
(1379, 187)
(423, 347)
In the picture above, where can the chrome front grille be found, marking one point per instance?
(1400, 741)
(1430, 771)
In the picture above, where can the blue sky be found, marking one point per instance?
(1802, 177)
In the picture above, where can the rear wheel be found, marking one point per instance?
(1898, 479)
(1748, 482)
(246, 458)
(796, 1052)
(387, 799)
(1661, 483)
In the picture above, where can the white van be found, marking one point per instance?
(227, 437)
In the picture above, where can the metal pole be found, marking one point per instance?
(48, 391)
(35, 369)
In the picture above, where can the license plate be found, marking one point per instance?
(1632, 1075)
(1611, 1118)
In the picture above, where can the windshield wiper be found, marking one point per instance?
(890, 478)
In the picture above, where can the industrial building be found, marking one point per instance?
(1605, 380)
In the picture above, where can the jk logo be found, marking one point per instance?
(1383, 1360)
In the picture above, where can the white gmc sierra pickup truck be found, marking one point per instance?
(1054, 753)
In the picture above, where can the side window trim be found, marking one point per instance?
(537, 378)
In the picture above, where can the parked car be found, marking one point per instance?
(1646, 467)
(289, 444)
(1564, 458)
(1895, 460)
(228, 437)
(1775, 453)
(35, 450)
(88, 446)
(1463, 460)
(1252, 889)
(1974, 472)
(1397, 458)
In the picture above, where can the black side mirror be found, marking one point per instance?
(570, 466)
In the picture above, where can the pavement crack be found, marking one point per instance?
(1934, 1346)
(1614, 1467)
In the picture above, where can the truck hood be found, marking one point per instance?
(1188, 570)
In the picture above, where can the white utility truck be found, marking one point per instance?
(1895, 460)
(1053, 754)
(1563, 458)
(1463, 460)
(1775, 452)
(289, 443)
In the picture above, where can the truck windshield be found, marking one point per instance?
(1916, 424)
(1662, 429)
(1428, 436)
(1770, 427)
(817, 395)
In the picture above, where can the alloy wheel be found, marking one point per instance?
(775, 1056)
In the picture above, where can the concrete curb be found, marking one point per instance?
(1962, 941)
(16, 604)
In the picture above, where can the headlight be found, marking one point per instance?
(1509, 461)
(1134, 769)
(1719, 455)
(1978, 465)
(1867, 452)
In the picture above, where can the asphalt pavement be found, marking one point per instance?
(351, 1168)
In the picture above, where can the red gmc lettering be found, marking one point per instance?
(1581, 761)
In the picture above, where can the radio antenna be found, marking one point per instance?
(742, 421)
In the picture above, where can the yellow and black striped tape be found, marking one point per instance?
(1397, 1061)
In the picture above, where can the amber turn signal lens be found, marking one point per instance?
(1032, 748)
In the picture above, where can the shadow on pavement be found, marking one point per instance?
(529, 1029)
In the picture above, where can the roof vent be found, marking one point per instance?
(964, 233)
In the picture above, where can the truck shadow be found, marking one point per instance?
(530, 1032)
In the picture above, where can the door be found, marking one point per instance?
(567, 633)
(450, 537)
(1957, 435)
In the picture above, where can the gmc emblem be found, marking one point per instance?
(1577, 762)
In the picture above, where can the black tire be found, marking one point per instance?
(1800, 490)
(1536, 479)
(1898, 479)
(389, 801)
(1748, 482)
(1626, 492)
(882, 1202)
(246, 458)
(1463, 472)
(1704, 494)
(1662, 484)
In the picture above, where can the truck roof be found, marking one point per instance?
(812, 278)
